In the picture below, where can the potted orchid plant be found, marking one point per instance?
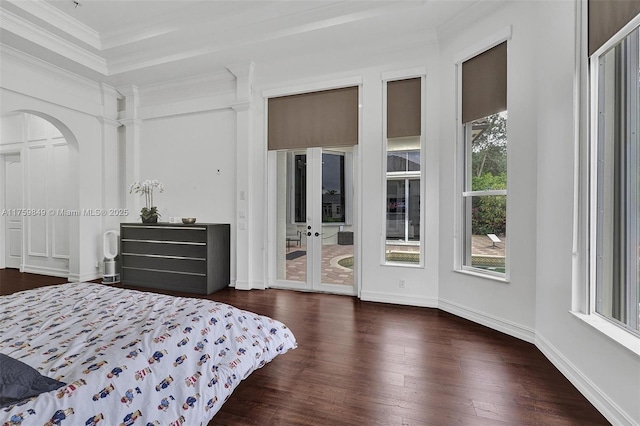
(149, 213)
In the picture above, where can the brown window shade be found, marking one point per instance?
(484, 84)
(404, 102)
(607, 17)
(317, 119)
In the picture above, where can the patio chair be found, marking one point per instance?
(494, 239)
(293, 234)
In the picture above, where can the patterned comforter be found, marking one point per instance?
(130, 357)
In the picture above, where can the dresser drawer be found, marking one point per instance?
(192, 234)
(166, 280)
(160, 263)
(165, 248)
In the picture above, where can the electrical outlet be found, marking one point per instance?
(401, 283)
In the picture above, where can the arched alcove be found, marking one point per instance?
(48, 153)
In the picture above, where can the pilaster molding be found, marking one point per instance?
(247, 235)
(245, 75)
(132, 101)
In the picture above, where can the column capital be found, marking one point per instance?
(241, 106)
(106, 121)
(129, 122)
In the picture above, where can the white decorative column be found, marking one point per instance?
(129, 119)
(111, 175)
(244, 190)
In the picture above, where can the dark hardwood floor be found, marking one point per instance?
(361, 363)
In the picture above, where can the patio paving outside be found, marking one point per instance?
(334, 273)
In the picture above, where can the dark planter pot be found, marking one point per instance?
(152, 219)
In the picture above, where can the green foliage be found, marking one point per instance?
(489, 172)
(148, 213)
(489, 213)
(489, 147)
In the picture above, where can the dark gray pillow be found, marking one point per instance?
(18, 381)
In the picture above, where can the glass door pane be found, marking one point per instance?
(291, 253)
(314, 220)
(396, 202)
(336, 245)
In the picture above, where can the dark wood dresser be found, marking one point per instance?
(171, 256)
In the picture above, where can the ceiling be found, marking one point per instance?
(147, 41)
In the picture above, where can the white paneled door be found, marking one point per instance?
(13, 204)
(313, 209)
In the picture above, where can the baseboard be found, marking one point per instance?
(75, 278)
(512, 329)
(42, 270)
(609, 409)
(246, 285)
(411, 300)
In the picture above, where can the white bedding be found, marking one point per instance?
(129, 357)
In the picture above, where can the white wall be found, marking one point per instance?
(74, 106)
(194, 157)
(44, 156)
(594, 362)
(536, 303)
(379, 282)
(506, 306)
(185, 136)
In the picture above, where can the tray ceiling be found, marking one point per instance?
(142, 42)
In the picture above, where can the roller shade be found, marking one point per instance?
(318, 119)
(607, 17)
(484, 84)
(404, 105)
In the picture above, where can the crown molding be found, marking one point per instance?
(201, 86)
(9, 52)
(129, 36)
(76, 29)
(35, 34)
(468, 17)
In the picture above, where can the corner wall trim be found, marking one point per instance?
(512, 329)
(600, 401)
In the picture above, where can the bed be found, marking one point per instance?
(131, 358)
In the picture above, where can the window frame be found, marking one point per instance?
(461, 174)
(387, 77)
(595, 185)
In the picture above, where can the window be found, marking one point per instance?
(485, 193)
(483, 163)
(617, 182)
(403, 242)
(333, 188)
(300, 188)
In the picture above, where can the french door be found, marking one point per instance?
(13, 202)
(312, 206)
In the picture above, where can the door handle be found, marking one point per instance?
(317, 234)
(309, 234)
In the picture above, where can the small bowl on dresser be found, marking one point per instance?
(188, 220)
